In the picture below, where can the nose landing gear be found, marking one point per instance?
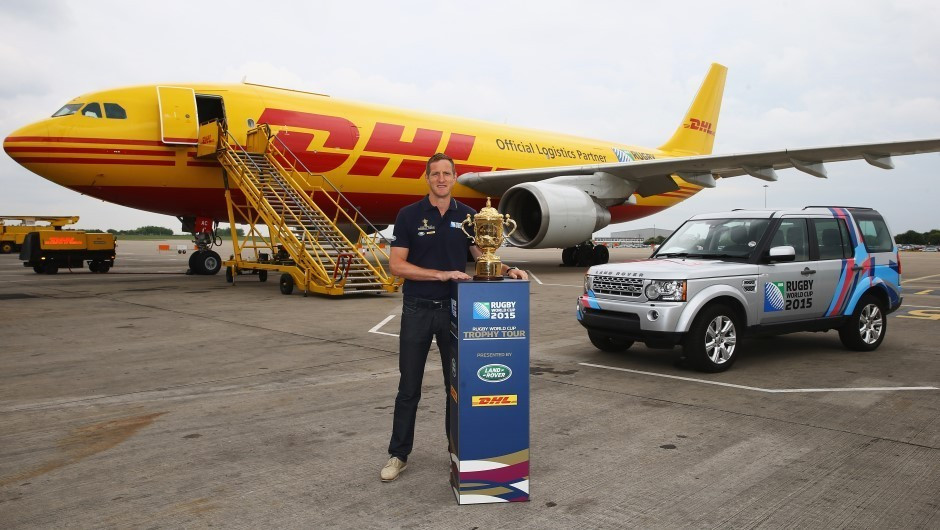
(204, 260)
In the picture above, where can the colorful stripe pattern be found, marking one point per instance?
(500, 479)
(860, 273)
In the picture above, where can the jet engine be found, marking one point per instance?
(552, 215)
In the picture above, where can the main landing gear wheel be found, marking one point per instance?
(585, 255)
(205, 262)
(711, 344)
(866, 328)
(287, 284)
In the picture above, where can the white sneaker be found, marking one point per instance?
(393, 469)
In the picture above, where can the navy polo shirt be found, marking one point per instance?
(433, 242)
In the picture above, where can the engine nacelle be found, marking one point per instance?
(551, 215)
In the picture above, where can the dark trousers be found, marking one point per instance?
(419, 323)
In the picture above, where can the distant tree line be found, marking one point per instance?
(919, 238)
(226, 232)
(143, 231)
(658, 240)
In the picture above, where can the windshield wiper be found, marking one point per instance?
(673, 255)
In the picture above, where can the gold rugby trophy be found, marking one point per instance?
(488, 226)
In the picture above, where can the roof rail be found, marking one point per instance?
(846, 207)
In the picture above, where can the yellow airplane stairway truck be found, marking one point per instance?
(48, 251)
(303, 213)
(12, 235)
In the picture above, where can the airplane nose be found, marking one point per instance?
(16, 144)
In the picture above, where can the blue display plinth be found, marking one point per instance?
(489, 376)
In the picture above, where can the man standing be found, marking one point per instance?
(429, 251)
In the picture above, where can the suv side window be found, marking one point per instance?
(829, 238)
(792, 231)
(874, 232)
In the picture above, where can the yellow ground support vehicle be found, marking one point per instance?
(47, 251)
(12, 235)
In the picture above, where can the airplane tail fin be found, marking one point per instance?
(696, 134)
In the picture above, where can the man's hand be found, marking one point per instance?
(517, 274)
(446, 276)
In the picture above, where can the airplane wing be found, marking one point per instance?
(652, 177)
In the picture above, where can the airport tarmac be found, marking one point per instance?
(147, 398)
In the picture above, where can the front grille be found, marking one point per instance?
(618, 286)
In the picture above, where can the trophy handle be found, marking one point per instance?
(505, 235)
(464, 230)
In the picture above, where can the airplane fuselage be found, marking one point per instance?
(374, 154)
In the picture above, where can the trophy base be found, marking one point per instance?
(479, 278)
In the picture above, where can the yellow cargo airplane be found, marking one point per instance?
(136, 147)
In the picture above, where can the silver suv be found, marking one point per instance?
(724, 275)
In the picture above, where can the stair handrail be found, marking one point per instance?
(339, 193)
(309, 263)
(375, 263)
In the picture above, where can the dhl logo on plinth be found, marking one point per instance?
(495, 401)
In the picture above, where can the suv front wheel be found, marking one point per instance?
(712, 342)
(866, 327)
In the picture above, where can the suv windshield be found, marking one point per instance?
(714, 238)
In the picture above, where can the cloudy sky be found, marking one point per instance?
(800, 74)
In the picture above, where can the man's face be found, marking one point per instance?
(441, 179)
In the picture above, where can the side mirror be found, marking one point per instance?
(781, 253)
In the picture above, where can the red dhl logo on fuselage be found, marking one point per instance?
(495, 401)
(386, 139)
(63, 241)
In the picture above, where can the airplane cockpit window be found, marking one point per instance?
(92, 110)
(68, 110)
(115, 111)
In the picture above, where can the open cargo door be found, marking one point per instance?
(178, 121)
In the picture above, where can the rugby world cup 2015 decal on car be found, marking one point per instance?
(774, 293)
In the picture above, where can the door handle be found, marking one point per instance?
(807, 271)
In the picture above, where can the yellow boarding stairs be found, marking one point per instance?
(303, 243)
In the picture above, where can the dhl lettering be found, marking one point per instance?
(206, 140)
(698, 125)
(63, 241)
(495, 401)
(386, 138)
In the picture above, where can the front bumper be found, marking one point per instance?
(649, 322)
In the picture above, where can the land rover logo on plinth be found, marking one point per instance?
(494, 373)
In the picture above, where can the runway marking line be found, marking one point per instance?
(921, 278)
(375, 328)
(765, 390)
(536, 278)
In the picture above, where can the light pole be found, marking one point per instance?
(765, 195)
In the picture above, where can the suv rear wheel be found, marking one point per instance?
(866, 327)
(608, 343)
(712, 341)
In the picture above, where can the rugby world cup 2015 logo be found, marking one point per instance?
(774, 294)
(494, 310)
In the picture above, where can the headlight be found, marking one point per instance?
(666, 290)
(587, 283)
